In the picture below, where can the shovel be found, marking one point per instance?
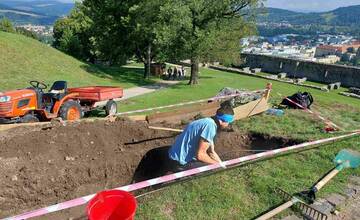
(344, 159)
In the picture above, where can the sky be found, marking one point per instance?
(310, 5)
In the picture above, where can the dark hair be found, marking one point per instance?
(225, 108)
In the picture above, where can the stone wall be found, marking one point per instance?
(317, 72)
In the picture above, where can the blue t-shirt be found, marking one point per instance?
(187, 143)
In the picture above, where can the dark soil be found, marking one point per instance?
(44, 166)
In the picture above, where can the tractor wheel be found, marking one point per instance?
(111, 108)
(70, 111)
(29, 118)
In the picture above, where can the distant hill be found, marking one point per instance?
(23, 59)
(345, 16)
(26, 17)
(45, 7)
(41, 12)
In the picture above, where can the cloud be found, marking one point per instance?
(310, 5)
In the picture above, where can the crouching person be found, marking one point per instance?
(193, 148)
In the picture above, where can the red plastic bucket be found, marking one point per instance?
(112, 205)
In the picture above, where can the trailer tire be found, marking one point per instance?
(111, 108)
(70, 111)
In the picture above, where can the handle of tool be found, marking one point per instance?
(166, 129)
(326, 179)
(277, 210)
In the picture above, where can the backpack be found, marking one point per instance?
(304, 99)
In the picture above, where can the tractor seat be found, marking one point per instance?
(58, 90)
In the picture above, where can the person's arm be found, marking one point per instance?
(202, 154)
(214, 155)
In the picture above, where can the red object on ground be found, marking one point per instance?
(97, 93)
(112, 205)
(329, 129)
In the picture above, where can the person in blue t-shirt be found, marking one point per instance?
(195, 147)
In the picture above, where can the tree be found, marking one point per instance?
(110, 29)
(6, 25)
(72, 34)
(201, 30)
(144, 21)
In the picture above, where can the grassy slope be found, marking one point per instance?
(23, 59)
(245, 192)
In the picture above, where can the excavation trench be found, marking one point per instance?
(44, 166)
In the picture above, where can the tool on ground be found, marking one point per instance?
(344, 159)
(293, 201)
(188, 173)
(329, 125)
(166, 129)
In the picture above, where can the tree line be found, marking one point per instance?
(114, 31)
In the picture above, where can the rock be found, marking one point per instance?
(256, 70)
(300, 80)
(355, 180)
(324, 88)
(112, 118)
(246, 69)
(354, 90)
(14, 178)
(334, 86)
(350, 192)
(336, 212)
(67, 158)
(282, 75)
(323, 206)
(91, 142)
(292, 217)
(336, 199)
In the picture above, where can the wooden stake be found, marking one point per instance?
(166, 129)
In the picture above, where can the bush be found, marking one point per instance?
(6, 25)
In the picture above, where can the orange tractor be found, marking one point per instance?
(33, 104)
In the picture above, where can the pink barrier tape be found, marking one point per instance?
(311, 112)
(167, 178)
(184, 103)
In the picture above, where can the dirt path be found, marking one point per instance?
(141, 90)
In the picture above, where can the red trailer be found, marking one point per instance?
(98, 97)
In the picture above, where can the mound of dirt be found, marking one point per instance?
(41, 167)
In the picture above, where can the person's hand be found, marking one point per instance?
(222, 164)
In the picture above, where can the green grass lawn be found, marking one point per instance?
(23, 59)
(245, 192)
